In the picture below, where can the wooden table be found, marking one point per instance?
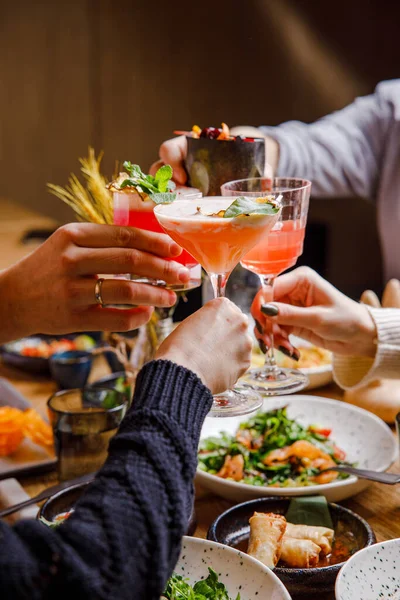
(379, 505)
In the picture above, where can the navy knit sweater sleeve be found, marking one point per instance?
(123, 540)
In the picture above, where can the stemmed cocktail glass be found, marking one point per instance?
(218, 244)
(277, 251)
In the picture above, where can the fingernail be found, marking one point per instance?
(174, 249)
(262, 346)
(184, 275)
(295, 355)
(172, 298)
(259, 326)
(269, 309)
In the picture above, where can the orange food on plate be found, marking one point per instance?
(11, 432)
(36, 428)
(16, 424)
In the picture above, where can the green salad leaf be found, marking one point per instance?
(255, 439)
(207, 589)
(251, 206)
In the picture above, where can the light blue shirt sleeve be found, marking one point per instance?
(342, 154)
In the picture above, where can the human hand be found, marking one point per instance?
(173, 152)
(311, 308)
(213, 342)
(52, 290)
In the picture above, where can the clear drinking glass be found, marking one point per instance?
(84, 421)
(277, 251)
(218, 244)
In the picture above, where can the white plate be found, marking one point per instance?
(239, 572)
(317, 376)
(365, 438)
(372, 573)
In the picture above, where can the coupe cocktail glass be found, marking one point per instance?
(274, 253)
(218, 244)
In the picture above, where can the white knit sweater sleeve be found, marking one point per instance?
(354, 371)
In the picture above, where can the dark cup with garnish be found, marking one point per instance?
(215, 157)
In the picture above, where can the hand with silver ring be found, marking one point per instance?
(56, 289)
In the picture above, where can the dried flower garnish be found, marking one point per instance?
(92, 203)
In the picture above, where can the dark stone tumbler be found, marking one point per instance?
(210, 163)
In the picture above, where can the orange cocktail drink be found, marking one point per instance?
(217, 243)
(218, 237)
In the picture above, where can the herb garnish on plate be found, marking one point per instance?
(206, 589)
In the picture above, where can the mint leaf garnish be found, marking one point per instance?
(160, 184)
(163, 198)
(133, 170)
(249, 206)
(162, 177)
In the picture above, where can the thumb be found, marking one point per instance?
(293, 316)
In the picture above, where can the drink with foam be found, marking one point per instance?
(216, 242)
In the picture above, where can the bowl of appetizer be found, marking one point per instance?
(305, 541)
(209, 570)
(61, 506)
(314, 362)
(372, 573)
(286, 449)
(32, 354)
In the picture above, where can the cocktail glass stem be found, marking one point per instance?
(267, 283)
(218, 282)
(235, 401)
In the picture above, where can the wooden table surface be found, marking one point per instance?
(379, 504)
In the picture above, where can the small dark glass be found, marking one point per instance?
(84, 421)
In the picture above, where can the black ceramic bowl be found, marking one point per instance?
(210, 163)
(65, 500)
(232, 527)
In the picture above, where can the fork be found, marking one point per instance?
(389, 478)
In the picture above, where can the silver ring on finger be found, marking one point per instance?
(97, 292)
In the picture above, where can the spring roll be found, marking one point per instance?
(266, 533)
(300, 554)
(322, 536)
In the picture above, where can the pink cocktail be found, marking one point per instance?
(278, 251)
(130, 210)
(275, 252)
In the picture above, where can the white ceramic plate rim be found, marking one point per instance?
(245, 557)
(312, 489)
(354, 558)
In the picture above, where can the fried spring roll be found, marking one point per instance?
(266, 533)
(322, 536)
(300, 554)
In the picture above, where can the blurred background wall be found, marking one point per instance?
(122, 76)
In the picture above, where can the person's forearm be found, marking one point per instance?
(124, 538)
(341, 153)
(353, 371)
